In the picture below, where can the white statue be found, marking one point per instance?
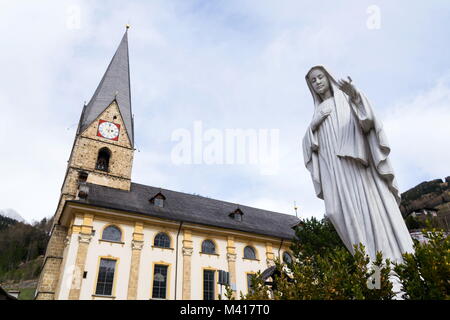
(346, 152)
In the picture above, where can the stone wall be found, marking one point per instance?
(48, 281)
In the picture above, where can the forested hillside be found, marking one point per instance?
(6, 222)
(21, 245)
(431, 195)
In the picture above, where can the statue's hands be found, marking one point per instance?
(350, 90)
(324, 112)
(319, 116)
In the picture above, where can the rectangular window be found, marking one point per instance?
(105, 277)
(208, 284)
(159, 282)
(249, 282)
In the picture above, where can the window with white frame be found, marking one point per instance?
(208, 284)
(162, 240)
(112, 233)
(249, 253)
(159, 282)
(208, 247)
(105, 279)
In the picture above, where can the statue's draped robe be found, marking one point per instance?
(347, 157)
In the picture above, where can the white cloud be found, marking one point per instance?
(419, 133)
(234, 64)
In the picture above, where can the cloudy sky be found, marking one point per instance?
(229, 64)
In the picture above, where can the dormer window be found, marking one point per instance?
(158, 200)
(237, 215)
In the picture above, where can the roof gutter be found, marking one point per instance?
(176, 260)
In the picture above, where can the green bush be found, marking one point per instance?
(413, 223)
(426, 273)
(323, 269)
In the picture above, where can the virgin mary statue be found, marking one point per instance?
(346, 152)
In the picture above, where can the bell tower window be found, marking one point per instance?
(82, 176)
(103, 160)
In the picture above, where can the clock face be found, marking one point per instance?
(108, 130)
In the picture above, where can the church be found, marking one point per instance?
(113, 239)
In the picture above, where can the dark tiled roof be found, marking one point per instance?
(115, 85)
(185, 207)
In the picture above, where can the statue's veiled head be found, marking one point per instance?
(320, 83)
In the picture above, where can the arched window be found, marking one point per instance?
(162, 240)
(249, 253)
(208, 247)
(112, 233)
(287, 258)
(103, 159)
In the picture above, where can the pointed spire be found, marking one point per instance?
(115, 85)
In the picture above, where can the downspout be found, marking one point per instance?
(176, 261)
(279, 249)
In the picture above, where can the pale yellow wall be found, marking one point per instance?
(70, 254)
(78, 220)
(151, 255)
(98, 249)
(201, 260)
(244, 266)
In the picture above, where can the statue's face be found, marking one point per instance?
(319, 81)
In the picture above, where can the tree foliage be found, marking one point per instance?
(315, 237)
(426, 273)
(413, 223)
(5, 222)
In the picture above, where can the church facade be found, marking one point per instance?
(115, 239)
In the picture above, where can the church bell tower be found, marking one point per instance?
(104, 143)
(102, 154)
